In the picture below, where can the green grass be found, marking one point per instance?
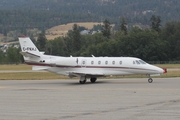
(48, 76)
(168, 65)
(30, 76)
(15, 67)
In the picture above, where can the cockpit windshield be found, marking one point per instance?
(139, 62)
(142, 62)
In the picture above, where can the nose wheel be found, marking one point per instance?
(150, 80)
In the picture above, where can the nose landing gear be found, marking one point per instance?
(150, 80)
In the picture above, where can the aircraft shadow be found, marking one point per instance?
(87, 83)
(59, 82)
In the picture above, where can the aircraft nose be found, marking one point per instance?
(165, 70)
(162, 70)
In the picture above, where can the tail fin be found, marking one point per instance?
(28, 49)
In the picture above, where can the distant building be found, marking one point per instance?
(89, 32)
(4, 47)
(85, 32)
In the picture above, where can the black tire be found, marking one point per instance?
(150, 80)
(93, 80)
(82, 82)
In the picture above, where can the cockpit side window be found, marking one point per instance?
(134, 62)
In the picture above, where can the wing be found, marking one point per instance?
(40, 68)
(87, 74)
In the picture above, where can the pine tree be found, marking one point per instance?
(123, 26)
(41, 42)
(155, 23)
(106, 28)
(76, 38)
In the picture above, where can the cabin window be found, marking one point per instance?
(120, 62)
(83, 62)
(113, 62)
(99, 62)
(92, 62)
(106, 62)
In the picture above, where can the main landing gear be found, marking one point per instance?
(83, 80)
(93, 80)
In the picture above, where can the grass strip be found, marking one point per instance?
(48, 76)
(15, 67)
(30, 76)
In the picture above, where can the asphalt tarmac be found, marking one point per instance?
(107, 99)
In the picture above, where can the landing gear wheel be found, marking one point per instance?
(93, 80)
(82, 82)
(150, 80)
(82, 79)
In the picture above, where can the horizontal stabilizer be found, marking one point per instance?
(40, 67)
(29, 54)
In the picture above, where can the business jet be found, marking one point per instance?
(85, 67)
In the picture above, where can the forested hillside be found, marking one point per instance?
(43, 14)
(160, 42)
(161, 45)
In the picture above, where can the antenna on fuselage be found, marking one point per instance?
(71, 56)
(92, 55)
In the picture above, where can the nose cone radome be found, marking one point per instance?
(159, 70)
(162, 70)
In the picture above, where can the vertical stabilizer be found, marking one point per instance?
(28, 48)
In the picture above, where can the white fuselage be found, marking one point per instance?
(94, 66)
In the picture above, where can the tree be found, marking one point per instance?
(2, 56)
(41, 42)
(170, 35)
(13, 55)
(76, 38)
(106, 28)
(123, 25)
(155, 23)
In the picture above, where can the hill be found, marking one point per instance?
(20, 15)
(62, 30)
